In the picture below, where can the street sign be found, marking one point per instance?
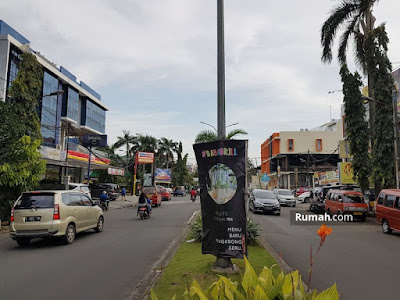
(94, 140)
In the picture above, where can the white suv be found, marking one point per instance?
(41, 214)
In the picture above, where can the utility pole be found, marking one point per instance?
(396, 136)
(308, 162)
(221, 70)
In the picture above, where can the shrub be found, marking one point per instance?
(264, 287)
(253, 230)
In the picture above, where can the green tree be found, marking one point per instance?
(209, 136)
(383, 136)
(180, 174)
(25, 91)
(167, 148)
(356, 126)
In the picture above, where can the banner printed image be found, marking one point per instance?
(223, 183)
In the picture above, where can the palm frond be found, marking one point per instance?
(345, 38)
(235, 132)
(206, 136)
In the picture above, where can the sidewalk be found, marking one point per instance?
(119, 203)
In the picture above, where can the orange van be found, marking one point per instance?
(154, 194)
(387, 210)
(346, 202)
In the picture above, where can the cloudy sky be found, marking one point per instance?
(154, 62)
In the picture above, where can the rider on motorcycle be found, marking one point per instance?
(144, 200)
(193, 193)
(104, 199)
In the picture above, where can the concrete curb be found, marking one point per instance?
(142, 290)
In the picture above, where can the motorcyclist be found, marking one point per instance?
(104, 199)
(193, 193)
(143, 199)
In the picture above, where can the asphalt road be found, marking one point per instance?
(106, 265)
(362, 260)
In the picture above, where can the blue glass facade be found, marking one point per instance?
(73, 105)
(95, 117)
(50, 111)
(13, 67)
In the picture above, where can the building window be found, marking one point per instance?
(290, 145)
(95, 117)
(15, 58)
(318, 144)
(48, 118)
(73, 105)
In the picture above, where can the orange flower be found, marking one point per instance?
(323, 231)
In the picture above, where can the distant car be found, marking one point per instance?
(179, 191)
(84, 188)
(285, 197)
(301, 190)
(154, 194)
(304, 197)
(264, 201)
(53, 213)
(165, 194)
(112, 190)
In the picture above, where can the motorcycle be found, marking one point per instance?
(143, 212)
(192, 197)
(103, 205)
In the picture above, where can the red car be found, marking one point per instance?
(165, 195)
(301, 190)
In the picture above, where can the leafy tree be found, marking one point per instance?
(383, 136)
(209, 136)
(20, 165)
(356, 126)
(180, 172)
(25, 91)
(166, 149)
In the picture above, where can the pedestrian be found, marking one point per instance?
(123, 192)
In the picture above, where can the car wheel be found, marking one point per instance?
(23, 242)
(100, 224)
(329, 212)
(70, 233)
(159, 204)
(385, 227)
(363, 218)
(278, 214)
(307, 200)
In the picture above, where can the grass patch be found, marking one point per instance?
(189, 263)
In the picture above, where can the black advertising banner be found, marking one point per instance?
(222, 178)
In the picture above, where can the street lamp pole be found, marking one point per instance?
(221, 70)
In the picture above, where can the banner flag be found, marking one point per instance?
(222, 179)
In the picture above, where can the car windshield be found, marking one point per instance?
(284, 193)
(349, 198)
(85, 189)
(40, 200)
(264, 195)
(149, 190)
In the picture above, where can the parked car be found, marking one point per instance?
(285, 197)
(112, 190)
(165, 194)
(346, 202)
(55, 213)
(264, 201)
(304, 197)
(179, 191)
(84, 188)
(387, 210)
(154, 194)
(301, 190)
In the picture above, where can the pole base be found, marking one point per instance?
(224, 265)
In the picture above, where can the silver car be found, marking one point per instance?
(285, 197)
(42, 214)
(264, 201)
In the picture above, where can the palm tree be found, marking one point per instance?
(209, 136)
(126, 140)
(167, 149)
(357, 17)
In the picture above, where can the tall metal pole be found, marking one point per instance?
(221, 71)
(396, 137)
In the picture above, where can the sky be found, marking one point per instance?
(154, 62)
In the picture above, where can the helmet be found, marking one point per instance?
(104, 192)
